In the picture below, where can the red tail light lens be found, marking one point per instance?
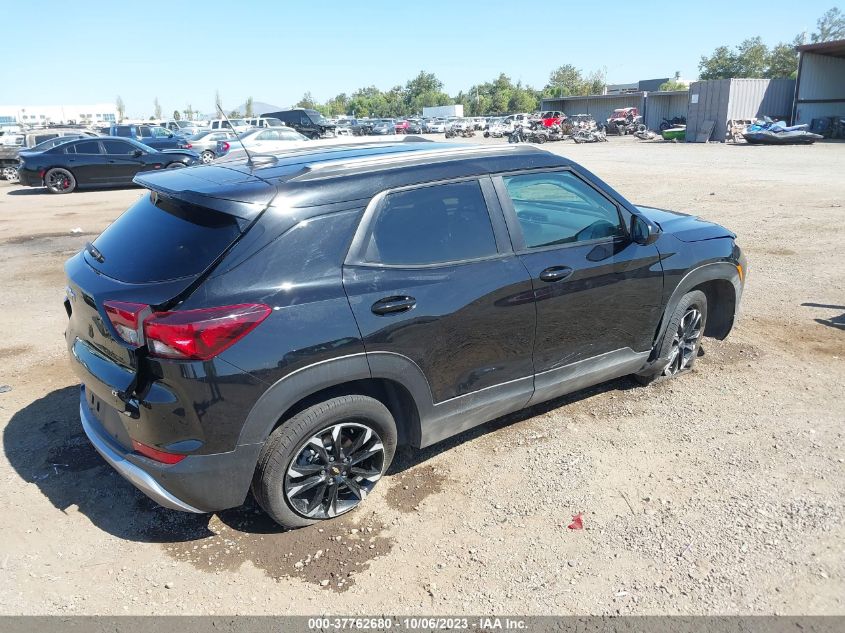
(201, 334)
(226, 146)
(188, 146)
(126, 319)
(155, 454)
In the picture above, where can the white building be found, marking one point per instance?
(42, 115)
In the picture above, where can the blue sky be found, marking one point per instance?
(182, 51)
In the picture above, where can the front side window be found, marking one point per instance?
(118, 147)
(431, 225)
(559, 208)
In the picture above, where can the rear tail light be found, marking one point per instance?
(225, 146)
(155, 454)
(187, 334)
(188, 146)
(126, 319)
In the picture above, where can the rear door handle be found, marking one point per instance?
(393, 305)
(556, 273)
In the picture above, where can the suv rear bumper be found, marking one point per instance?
(198, 483)
(129, 471)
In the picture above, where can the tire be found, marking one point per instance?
(540, 139)
(10, 173)
(207, 156)
(59, 180)
(672, 357)
(175, 166)
(275, 488)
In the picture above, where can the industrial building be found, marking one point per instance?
(820, 86)
(43, 115)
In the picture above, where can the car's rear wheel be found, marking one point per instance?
(206, 157)
(59, 180)
(325, 460)
(682, 340)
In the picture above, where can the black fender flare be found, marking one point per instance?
(724, 270)
(303, 382)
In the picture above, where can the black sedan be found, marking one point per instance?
(96, 162)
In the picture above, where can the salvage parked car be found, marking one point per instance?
(239, 125)
(263, 121)
(283, 327)
(9, 153)
(183, 127)
(401, 126)
(307, 122)
(153, 136)
(383, 127)
(96, 162)
(267, 140)
(205, 143)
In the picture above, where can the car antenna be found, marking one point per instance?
(237, 136)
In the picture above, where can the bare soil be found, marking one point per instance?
(721, 492)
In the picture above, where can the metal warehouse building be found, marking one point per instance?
(600, 107)
(820, 89)
(714, 102)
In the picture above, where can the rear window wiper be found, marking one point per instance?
(94, 252)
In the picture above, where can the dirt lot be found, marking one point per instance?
(720, 492)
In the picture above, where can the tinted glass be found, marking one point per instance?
(88, 147)
(119, 147)
(166, 240)
(430, 225)
(560, 208)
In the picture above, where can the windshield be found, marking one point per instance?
(316, 117)
(274, 123)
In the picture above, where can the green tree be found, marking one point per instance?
(831, 26)
(248, 107)
(234, 114)
(189, 112)
(176, 115)
(749, 59)
(218, 100)
(156, 108)
(673, 84)
(564, 81)
(721, 64)
(120, 107)
(783, 62)
(307, 101)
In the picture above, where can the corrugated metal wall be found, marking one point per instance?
(708, 101)
(664, 104)
(754, 98)
(599, 107)
(720, 100)
(822, 77)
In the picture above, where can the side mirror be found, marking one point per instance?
(644, 231)
(137, 153)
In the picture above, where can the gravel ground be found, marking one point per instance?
(718, 493)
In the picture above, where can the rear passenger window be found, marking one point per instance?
(431, 225)
(88, 147)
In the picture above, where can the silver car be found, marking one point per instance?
(205, 143)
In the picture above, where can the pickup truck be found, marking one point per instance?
(9, 153)
(153, 136)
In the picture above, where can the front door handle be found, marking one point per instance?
(393, 305)
(556, 273)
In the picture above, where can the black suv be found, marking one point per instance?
(307, 122)
(284, 325)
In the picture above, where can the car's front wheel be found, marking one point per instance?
(206, 157)
(59, 180)
(325, 460)
(10, 173)
(682, 340)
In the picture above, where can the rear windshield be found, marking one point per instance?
(163, 240)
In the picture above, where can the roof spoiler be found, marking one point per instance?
(218, 188)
